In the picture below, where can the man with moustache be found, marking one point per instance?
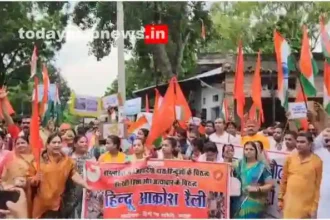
(324, 153)
(253, 135)
(301, 179)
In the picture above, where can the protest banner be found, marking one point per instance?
(162, 189)
(85, 106)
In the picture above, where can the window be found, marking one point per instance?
(216, 98)
(204, 101)
(204, 114)
(215, 113)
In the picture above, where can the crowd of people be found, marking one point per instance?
(55, 188)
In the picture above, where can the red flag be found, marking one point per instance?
(34, 126)
(164, 118)
(239, 83)
(147, 104)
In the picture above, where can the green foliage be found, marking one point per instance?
(69, 118)
(255, 22)
(177, 57)
(20, 95)
(15, 53)
(134, 79)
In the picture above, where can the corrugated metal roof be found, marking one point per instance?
(213, 72)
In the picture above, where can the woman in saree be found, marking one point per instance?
(3, 151)
(114, 153)
(18, 167)
(55, 170)
(256, 182)
(73, 196)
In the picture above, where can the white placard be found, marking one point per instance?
(110, 101)
(297, 110)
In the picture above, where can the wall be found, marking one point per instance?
(207, 95)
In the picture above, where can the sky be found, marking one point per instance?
(84, 74)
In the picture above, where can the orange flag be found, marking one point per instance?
(239, 82)
(158, 101)
(45, 78)
(147, 103)
(301, 98)
(34, 126)
(164, 117)
(256, 92)
(180, 101)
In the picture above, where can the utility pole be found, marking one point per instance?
(120, 46)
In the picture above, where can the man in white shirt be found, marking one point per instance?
(323, 151)
(276, 142)
(220, 136)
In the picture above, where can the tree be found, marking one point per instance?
(16, 50)
(184, 21)
(20, 95)
(134, 79)
(255, 22)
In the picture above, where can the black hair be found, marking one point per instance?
(173, 142)
(254, 146)
(307, 135)
(2, 134)
(145, 132)
(199, 143)
(231, 123)
(181, 131)
(23, 137)
(210, 147)
(81, 130)
(52, 136)
(116, 141)
(210, 122)
(76, 139)
(225, 146)
(292, 133)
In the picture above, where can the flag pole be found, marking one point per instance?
(300, 83)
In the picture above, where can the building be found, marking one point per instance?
(215, 80)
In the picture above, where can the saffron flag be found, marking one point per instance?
(308, 67)
(256, 91)
(34, 126)
(147, 104)
(33, 63)
(326, 87)
(283, 53)
(158, 101)
(239, 82)
(164, 118)
(300, 97)
(325, 40)
(181, 102)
